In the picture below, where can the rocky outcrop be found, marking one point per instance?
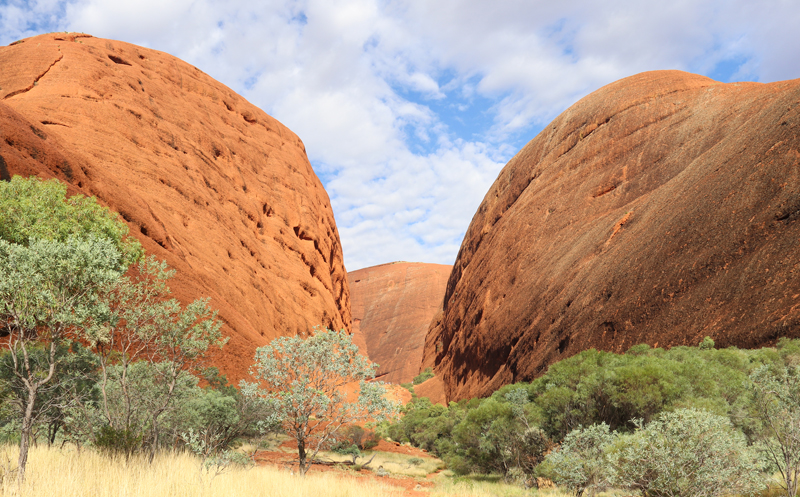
(392, 306)
(433, 389)
(660, 209)
(205, 180)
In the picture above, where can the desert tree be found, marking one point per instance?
(57, 254)
(776, 396)
(148, 345)
(307, 382)
(55, 400)
(48, 291)
(34, 209)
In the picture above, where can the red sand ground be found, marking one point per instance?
(287, 460)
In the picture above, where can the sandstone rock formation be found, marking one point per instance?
(660, 209)
(392, 306)
(433, 389)
(205, 180)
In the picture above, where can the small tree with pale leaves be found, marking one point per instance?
(48, 291)
(776, 396)
(306, 380)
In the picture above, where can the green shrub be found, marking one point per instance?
(499, 436)
(117, 442)
(706, 344)
(686, 453)
(581, 463)
(423, 376)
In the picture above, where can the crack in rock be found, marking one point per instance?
(30, 87)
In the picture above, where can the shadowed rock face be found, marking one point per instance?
(204, 179)
(660, 209)
(392, 306)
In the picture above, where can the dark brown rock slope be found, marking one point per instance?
(392, 306)
(659, 209)
(205, 180)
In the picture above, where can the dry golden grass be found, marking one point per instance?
(484, 486)
(68, 473)
(449, 485)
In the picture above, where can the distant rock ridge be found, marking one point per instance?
(204, 179)
(392, 306)
(660, 209)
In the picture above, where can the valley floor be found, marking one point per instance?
(71, 473)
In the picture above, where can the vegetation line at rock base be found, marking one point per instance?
(610, 408)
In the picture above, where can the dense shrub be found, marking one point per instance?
(423, 376)
(498, 436)
(686, 453)
(581, 463)
(358, 436)
(590, 388)
(117, 442)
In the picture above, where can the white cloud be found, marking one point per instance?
(370, 86)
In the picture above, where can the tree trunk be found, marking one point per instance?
(154, 445)
(301, 455)
(25, 434)
(791, 484)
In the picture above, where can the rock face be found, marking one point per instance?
(392, 306)
(660, 209)
(205, 180)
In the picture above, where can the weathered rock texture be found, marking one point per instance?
(392, 307)
(210, 183)
(433, 389)
(659, 209)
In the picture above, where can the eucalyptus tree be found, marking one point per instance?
(57, 255)
(776, 394)
(147, 345)
(306, 380)
(35, 209)
(49, 291)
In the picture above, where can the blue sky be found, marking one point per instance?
(409, 109)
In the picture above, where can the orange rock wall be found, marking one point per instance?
(392, 306)
(204, 179)
(660, 209)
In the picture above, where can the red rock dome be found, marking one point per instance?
(392, 306)
(205, 180)
(660, 209)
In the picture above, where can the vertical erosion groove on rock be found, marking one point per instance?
(660, 209)
(191, 166)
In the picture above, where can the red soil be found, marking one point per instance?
(287, 460)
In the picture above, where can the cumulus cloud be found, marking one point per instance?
(409, 109)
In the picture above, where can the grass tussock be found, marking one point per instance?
(68, 473)
(485, 486)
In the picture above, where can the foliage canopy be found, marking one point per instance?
(305, 380)
(31, 208)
